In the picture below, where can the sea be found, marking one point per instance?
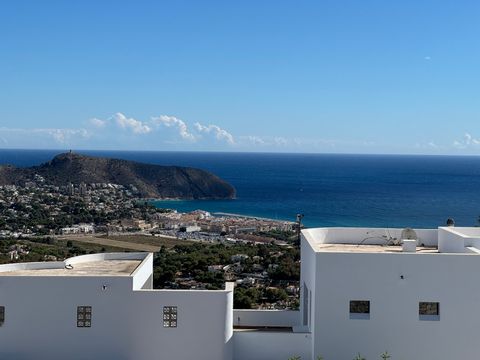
(328, 189)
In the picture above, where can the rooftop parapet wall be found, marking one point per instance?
(143, 274)
(472, 232)
(266, 318)
(106, 257)
(31, 266)
(104, 264)
(367, 236)
(456, 239)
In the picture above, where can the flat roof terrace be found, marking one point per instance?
(94, 268)
(105, 264)
(360, 248)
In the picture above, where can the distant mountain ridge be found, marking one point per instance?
(152, 181)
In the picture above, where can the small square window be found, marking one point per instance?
(360, 309)
(2, 315)
(170, 316)
(84, 316)
(429, 311)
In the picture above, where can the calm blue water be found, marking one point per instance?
(331, 190)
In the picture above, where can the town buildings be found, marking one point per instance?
(39, 209)
(412, 293)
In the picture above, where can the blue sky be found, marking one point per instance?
(289, 76)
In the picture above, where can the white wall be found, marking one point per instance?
(228, 352)
(40, 320)
(279, 318)
(367, 236)
(260, 345)
(454, 239)
(32, 266)
(107, 256)
(467, 231)
(450, 241)
(203, 332)
(394, 325)
(307, 278)
(143, 274)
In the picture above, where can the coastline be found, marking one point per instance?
(158, 203)
(184, 199)
(331, 190)
(225, 214)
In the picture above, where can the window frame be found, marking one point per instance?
(359, 315)
(2, 315)
(425, 315)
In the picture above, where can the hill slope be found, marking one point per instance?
(151, 180)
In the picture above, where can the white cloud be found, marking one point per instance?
(283, 142)
(429, 147)
(280, 141)
(275, 141)
(30, 136)
(62, 136)
(472, 140)
(172, 121)
(136, 126)
(265, 140)
(98, 123)
(169, 132)
(256, 140)
(467, 142)
(218, 132)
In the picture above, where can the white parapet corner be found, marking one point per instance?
(473, 250)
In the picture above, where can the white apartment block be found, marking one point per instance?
(412, 293)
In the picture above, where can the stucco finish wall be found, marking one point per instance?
(271, 345)
(40, 321)
(367, 236)
(279, 318)
(394, 324)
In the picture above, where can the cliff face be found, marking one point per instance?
(151, 180)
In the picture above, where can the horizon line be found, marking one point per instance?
(66, 150)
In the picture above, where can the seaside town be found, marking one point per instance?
(195, 250)
(41, 209)
(239, 180)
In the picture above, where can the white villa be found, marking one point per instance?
(409, 292)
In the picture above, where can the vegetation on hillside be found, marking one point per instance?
(281, 266)
(148, 180)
